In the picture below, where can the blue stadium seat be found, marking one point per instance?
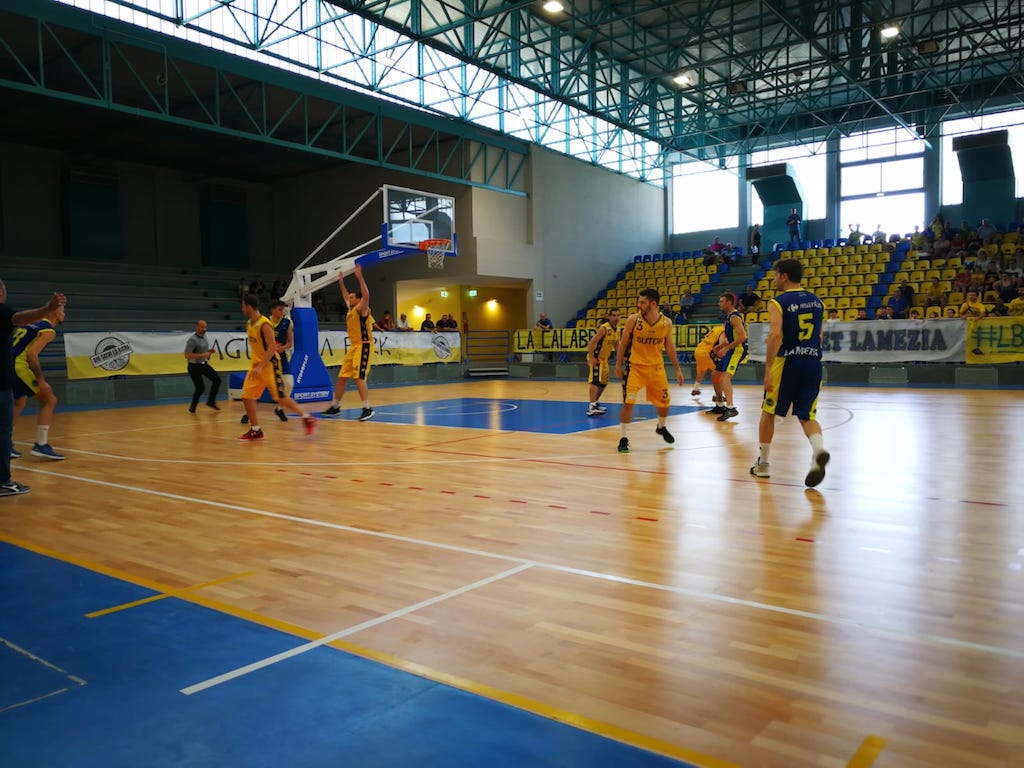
(637, 259)
(830, 243)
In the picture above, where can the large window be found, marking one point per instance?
(808, 166)
(705, 197)
(952, 180)
(881, 182)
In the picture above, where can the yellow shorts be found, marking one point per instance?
(356, 364)
(599, 374)
(268, 379)
(704, 362)
(652, 379)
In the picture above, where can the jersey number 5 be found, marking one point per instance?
(806, 321)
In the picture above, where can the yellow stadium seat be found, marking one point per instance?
(916, 276)
(828, 281)
(850, 314)
(857, 279)
(843, 303)
(858, 302)
(871, 279)
(933, 312)
(843, 280)
(955, 297)
(876, 248)
(763, 316)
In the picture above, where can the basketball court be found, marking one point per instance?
(476, 575)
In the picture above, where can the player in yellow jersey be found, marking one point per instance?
(599, 349)
(264, 371)
(702, 356)
(640, 363)
(359, 357)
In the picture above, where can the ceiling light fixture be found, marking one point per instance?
(889, 31)
(553, 6)
(685, 78)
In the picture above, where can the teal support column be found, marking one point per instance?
(779, 195)
(989, 181)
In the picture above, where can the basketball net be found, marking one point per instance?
(436, 250)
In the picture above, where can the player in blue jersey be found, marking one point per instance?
(29, 342)
(284, 337)
(792, 367)
(728, 353)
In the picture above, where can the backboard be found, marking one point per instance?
(412, 216)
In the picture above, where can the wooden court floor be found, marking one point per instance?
(664, 597)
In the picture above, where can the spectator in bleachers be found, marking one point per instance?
(936, 296)
(915, 314)
(884, 313)
(543, 323)
(428, 323)
(878, 236)
(999, 308)
(686, 302)
(962, 281)
(908, 292)
(716, 246)
(258, 287)
(447, 323)
(386, 322)
(1016, 307)
(1006, 287)
(897, 305)
(748, 300)
(278, 288)
(243, 287)
(937, 226)
(862, 314)
(949, 312)
(793, 225)
(833, 314)
(755, 243)
(403, 323)
(855, 235)
(986, 232)
(917, 238)
(973, 306)
(1011, 267)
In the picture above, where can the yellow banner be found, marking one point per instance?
(685, 337)
(995, 340)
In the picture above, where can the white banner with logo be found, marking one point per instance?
(882, 341)
(100, 355)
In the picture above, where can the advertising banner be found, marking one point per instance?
(101, 355)
(995, 340)
(881, 341)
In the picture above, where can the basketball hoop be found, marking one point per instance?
(436, 250)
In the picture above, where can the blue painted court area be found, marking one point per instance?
(106, 692)
(555, 417)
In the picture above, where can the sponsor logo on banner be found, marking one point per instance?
(442, 348)
(112, 354)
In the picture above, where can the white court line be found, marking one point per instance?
(257, 665)
(711, 597)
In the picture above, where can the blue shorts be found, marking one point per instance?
(796, 382)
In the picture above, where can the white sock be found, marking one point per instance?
(335, 403)
(366, 403)
(661, 422)
(817, 443)
(42, 434)
(594, 404)
(622, 428)
(765, 448)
